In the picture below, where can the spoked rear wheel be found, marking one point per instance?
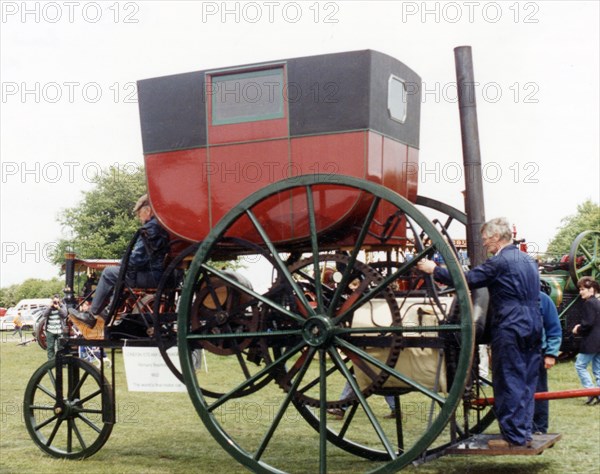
(584, 256)
(69, 412)
(316, 344)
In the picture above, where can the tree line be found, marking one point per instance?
(31, 288)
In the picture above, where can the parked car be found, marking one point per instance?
(6, 323)
(28, 305)
(28, 319)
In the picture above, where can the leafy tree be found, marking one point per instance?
(103, 223)
(31, 288)
(586, 218)
(7, 296)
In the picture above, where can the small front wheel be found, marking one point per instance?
(69, 408)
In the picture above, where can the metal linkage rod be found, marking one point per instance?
(559, 394)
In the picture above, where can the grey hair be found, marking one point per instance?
(498, 226)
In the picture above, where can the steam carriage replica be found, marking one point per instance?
(303, 172)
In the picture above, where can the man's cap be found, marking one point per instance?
(141, 202)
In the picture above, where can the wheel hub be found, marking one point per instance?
(67, 409)
(221, 317)
(318, 331)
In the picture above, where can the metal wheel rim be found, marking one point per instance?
(201, 405)
(85, 411)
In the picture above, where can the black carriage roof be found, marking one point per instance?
(328, 93)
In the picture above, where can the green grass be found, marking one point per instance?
(161, 432)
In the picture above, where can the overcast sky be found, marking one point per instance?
(68, 109)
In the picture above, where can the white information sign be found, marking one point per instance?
(146, 371)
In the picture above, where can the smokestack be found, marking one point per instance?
(69, 279)
(474, 205)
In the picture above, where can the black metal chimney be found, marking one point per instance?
(69, 279)
(474, 205)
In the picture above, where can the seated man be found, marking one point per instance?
(145, 265)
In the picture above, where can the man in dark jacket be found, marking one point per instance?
(55, 318)
(145, 266)
(512, 279)
(589, 350)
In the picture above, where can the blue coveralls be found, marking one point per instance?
(551, 340)
(513, 283)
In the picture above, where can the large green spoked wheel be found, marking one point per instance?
(69, 412)
(316, 339)
(584, 256)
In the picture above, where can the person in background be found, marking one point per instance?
(512, 279)
(551, 340)
(55, 317)
(18, 325)
(589, 350)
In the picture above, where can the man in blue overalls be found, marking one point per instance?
(512, 279)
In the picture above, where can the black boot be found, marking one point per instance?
(86, 318)
(596, 401)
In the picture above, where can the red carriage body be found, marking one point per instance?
(212, 138)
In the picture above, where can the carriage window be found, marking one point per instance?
(397, 99)
(247, 97)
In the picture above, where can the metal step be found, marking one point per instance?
(478, 444)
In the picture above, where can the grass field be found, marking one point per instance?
(161, 433)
